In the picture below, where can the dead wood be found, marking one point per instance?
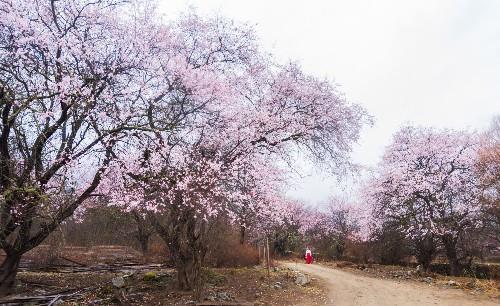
(48, 299)
(73, 261)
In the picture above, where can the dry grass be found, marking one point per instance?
(487, 287)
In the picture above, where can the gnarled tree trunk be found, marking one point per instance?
(188, 248)
(144, 231)
(8, 271)
(189, 269)
(186, 238)
(450, 246)
(425, 251)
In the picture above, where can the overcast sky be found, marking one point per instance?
(424, 62)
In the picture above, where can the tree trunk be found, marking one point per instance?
(189, 271)
(188, 257)
(186, 239)
(450, 246)
(242, 234)
(8, 271)
(426, 249)
(340, 247)
(144, 241)
(425, 260)
(143, 232)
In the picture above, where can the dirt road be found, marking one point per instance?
(348, 289)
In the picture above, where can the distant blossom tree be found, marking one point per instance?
(488, 167)
(427, 184)
(344, 221)
(329, 228)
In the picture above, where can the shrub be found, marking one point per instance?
(227, 251)
(477, 270)
(213, 278)
(150, 276)
(158, 251)
(234, 254)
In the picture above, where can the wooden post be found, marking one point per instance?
(258, 248)
(263, 253)
(268, 264)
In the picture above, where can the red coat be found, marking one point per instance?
(308, 257)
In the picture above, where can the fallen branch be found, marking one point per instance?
(50, 299)
(40, 284)
(54, 300)
(101, 268)
(73, 261)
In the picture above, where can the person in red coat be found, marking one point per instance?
(308, 257)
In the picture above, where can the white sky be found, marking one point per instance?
(425, 62)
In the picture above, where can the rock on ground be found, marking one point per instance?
(118, 282)
(302, 279)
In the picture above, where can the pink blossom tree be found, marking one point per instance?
(287, 231)
(252, 113)
(488, 166)
(344, 221)
(330, 227)
(427, 184)
(78, 81)
(100, 98)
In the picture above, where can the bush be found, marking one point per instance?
(485, 271)
(477, 270)
(358, 251)
(150, 276)
(213, 277)
(47, 254)
(234, 254)
(101, 226)
(343, 264)
(227, 251)
(158, 251)
(286, 240)
(389, 246)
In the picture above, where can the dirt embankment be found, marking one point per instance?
(346, 288)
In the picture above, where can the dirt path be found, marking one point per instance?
(346, 289)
